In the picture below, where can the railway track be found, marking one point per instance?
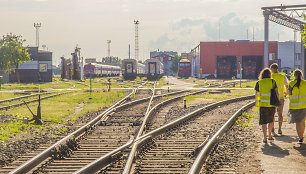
(30, 101)
(173, 147)
(111, 133)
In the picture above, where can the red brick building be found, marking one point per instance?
(223, 59)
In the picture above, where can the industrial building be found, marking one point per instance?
(39, 69)
(290, 55)
(166, 58)
(223, 59)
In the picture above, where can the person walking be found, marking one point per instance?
(297, 103)
(266, 111)
(282, 86)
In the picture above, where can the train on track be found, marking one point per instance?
(184, 68)
(131, 69)
(100, 70)
(154, 69)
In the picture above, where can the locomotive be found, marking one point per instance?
(184, 68)
(154, 69)
(100, 70)
(131, 69)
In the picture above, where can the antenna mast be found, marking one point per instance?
(136, 22)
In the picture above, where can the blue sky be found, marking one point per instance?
(176, 25)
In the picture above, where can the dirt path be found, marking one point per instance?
(178, 84)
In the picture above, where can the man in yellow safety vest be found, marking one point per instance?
(282, 86)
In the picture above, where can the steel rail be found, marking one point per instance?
(145, 138)
(31, 101)
(103, 161)
(97, 164)
(181, 120)
(33, 162)
(134, 148)
(197, 165)
(133, 152)
(25, 96)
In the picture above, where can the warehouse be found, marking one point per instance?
(223, 59)
(39, 69)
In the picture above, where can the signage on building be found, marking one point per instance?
(43, 67)
(91, 60)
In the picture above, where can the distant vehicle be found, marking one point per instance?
(131, 69)
(184, 68)
(154, 69)
(100, 70)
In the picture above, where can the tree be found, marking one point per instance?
(12, 53)
(175, 61)
(303, 33)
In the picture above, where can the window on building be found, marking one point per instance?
(297, 56)
(297, 66)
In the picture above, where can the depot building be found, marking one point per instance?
(224, 60)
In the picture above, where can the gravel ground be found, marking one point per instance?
(20, 144)
(236, 152)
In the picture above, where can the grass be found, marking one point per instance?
(8, 95)
(210, 98)
(59, 109)
(9, 130)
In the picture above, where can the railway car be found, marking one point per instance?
(184, 68)
(154, 69)
(131, 69)
(100, 70)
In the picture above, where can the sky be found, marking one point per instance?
(165, 25)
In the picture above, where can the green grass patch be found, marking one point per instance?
(9, 130)
(8, 95)
(62, 108)
(210, 98)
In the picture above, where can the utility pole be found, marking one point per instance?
(37, 26)
(82, 63)
(108, 44)
(129, 51)
(136, 22)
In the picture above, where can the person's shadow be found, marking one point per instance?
(274, 150)
(284, 138)
(301, 148)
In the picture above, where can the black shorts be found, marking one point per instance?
(266, 115)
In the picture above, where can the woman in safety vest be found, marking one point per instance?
(282, 86)
(266, 111)
(297, 103)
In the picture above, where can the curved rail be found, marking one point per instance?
(30, 164)
(104, 160)
(204, 153)
(129, 163)
(143, 139)
(134, 148)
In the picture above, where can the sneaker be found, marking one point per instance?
(300, 140)
(280, 131)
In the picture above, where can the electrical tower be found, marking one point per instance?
(108, 50)
(136, 22)
(37, 26)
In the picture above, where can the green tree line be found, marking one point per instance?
(303, 33)
(12, 53)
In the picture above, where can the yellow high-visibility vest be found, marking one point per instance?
(279, 78)
(291, 76)
(263, 96)
(297, 100)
